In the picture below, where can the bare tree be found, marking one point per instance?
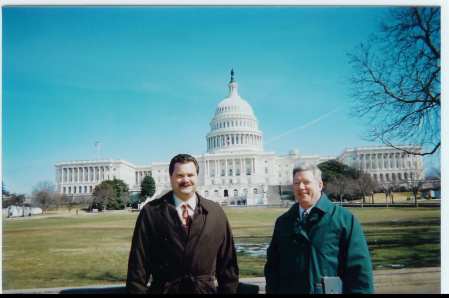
(415, 183)
(68, 201)
(338, 186)
(364, 184)
(388, 188)
(45, 195)
(434, 182)
(396, 79)
(125, 197)
(434, 177)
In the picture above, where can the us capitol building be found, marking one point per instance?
(235, 168)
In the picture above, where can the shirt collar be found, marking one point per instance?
(301, 210)
(191, 201)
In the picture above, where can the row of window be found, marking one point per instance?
(399, 165)
(77, 189)
(238, 139)
(226, 193)
(237, 123)
(394, 177)
(384, 155)
(223, 172)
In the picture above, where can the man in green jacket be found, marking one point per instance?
(327, 241)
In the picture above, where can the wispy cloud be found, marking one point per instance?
(303, 126)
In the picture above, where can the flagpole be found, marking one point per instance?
(97, 144)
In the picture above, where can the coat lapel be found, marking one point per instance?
(171, 217)
(198, 225)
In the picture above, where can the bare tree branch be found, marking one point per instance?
(396, 81)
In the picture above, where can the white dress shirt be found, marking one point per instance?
(192, 204)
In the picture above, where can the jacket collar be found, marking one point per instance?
(324, 204)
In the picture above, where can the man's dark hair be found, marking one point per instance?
(182, 158)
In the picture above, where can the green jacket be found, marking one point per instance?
(332, 243)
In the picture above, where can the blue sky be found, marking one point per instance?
(145, 81)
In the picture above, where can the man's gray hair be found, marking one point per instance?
(307, 166)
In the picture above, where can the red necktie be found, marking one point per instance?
(185, 216)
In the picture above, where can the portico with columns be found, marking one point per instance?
(386, 164)
(81, 177)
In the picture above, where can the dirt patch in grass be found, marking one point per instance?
(71, 250)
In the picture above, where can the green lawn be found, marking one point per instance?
(92, 249)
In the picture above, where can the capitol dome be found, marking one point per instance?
(234, 104)
(234, 126)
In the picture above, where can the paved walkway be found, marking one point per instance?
(395, 281)
(408, 281)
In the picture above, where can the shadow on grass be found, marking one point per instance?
(103, 290)
(405, 244)
(101, 277)
(405, 223)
